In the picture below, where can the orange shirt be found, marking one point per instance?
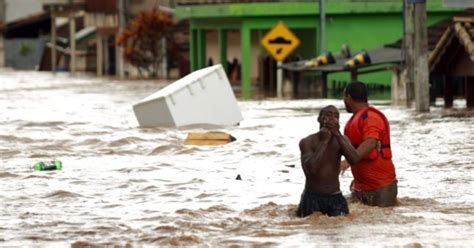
(377, 173)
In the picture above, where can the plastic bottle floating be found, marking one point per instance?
(48, 165)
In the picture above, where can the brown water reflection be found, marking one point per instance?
(123, 185)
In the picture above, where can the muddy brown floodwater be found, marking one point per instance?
(125, 185)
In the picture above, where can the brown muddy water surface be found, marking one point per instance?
(124, 185)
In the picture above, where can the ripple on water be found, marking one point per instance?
(8, 153)
(167, 228)
(192, 181)
(186, 150)
(163, 149)
(86, 244)
(176, 213)
(16, 139)
(36, 176)
(265, 154)
(62, 194)
(93, 141)
(5, 174)
(125, 141)
(49, 124)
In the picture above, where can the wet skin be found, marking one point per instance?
(321, 154)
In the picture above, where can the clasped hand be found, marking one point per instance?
(330, 127)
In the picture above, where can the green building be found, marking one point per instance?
(227, 29)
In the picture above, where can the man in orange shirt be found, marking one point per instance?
(368, 130)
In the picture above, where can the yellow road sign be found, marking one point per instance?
(280, 41)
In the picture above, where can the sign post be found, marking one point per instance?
(280, 42)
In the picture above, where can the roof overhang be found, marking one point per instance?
(32, 21)
(297, 8)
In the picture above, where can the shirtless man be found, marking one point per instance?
(320, 158)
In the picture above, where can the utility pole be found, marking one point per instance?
(408, 51)
(3, 7)
(72, 41)
(322, 26)
(2, 21)
(53, 42)
(420, 56)
(120, 65)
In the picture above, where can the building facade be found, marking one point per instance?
(221, 30)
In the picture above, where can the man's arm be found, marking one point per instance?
(351, 154)
(311, 159)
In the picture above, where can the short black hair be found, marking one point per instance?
(357, 90)
(325, 109)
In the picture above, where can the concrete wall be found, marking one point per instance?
(24, 54)
(367, 32)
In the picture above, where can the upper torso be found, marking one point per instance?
(370, 173)
(325, 178)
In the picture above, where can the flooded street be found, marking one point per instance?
(122, 184)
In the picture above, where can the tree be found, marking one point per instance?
(142, 40)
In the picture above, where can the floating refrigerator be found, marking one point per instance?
(203, 97)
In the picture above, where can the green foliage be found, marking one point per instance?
(25, 49)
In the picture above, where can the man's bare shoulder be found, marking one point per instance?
(310, 139)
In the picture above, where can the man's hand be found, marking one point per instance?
(332, 125)
(325, 134)
(344, 166)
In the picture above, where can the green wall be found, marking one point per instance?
(309, 45)
(357, 23)
(366, 32)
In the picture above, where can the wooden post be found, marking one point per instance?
(99, 54)
(469, 82)
(222, 41)
(53, 43)
(201, 48)
(279, 79)
(193, 48)
(2, 52)
(353, 75)
(246, 46)
(422, 86)
(396, 86)
(272, 74)
(448, 91)
(164, 59)
(322, 26)
(409, 51)
(120, 63)
(72, 42)
(324, 81)
(105, 46)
